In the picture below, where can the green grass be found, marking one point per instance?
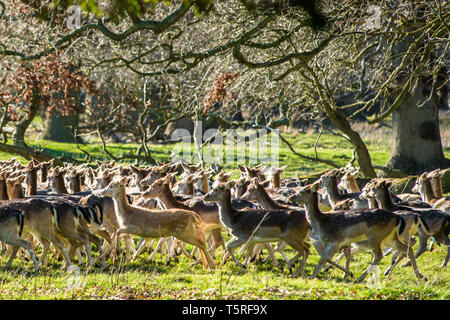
(143, 279)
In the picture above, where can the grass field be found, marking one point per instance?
(142, 279)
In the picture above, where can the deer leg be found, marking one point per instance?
(377, 255)
(249, 253)
(447, 258)
(303, 249)
(325, 256)
(158, 246)
(140, 247)
(17, 243)
(13, 250)
(233, 243)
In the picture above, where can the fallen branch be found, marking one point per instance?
(40, 156)
(328, 162)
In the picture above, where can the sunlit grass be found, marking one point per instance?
(143, 279)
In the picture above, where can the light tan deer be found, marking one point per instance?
(424, 187)
(67, 221)
(14, 187)
(378, 227)
(436, 183)
(11, 227)
(56, 180)
(330, 183)
(256, 226)
(209, 215)
(182, 224)
(40, 220)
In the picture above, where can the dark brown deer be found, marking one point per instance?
(378, 227)
(256, 226)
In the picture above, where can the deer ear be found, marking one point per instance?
(229, 184)
(21, 178)
(134, 169)
(123, 180)
(266, 184)
(315, 186)
(169, 177)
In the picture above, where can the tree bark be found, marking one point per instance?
(417, 143)
(22, 126)
(59, 128)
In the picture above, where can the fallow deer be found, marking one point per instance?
(209, 215)
(379, 191)
(11, 227)
(182, 224)
(330, 183)
(424, 187)
(256, 226)
(379, 227)
(56, 180)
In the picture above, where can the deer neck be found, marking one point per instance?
(76, 184)
(31, 183)
(313, 213)
(225, 209)
(353, 186)
(59, 186)
(373, 204)
(276, 180)
(44, 173)
(436, 185)
(384, 200)
(167, 198)
(427, 193)
(205, 185)
(333, 191)
(15, 192)
(266, 201)
(3, 190)
(189, 188)
(121, 205)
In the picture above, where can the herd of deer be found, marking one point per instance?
(74, 207)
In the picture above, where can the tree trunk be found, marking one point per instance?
(22, 126)
(417, 143)
(59, 128)
(417, 146)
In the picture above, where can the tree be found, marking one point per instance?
(266, 45)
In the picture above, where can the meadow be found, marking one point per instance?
(181, 279)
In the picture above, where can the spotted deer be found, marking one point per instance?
(424, 187)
